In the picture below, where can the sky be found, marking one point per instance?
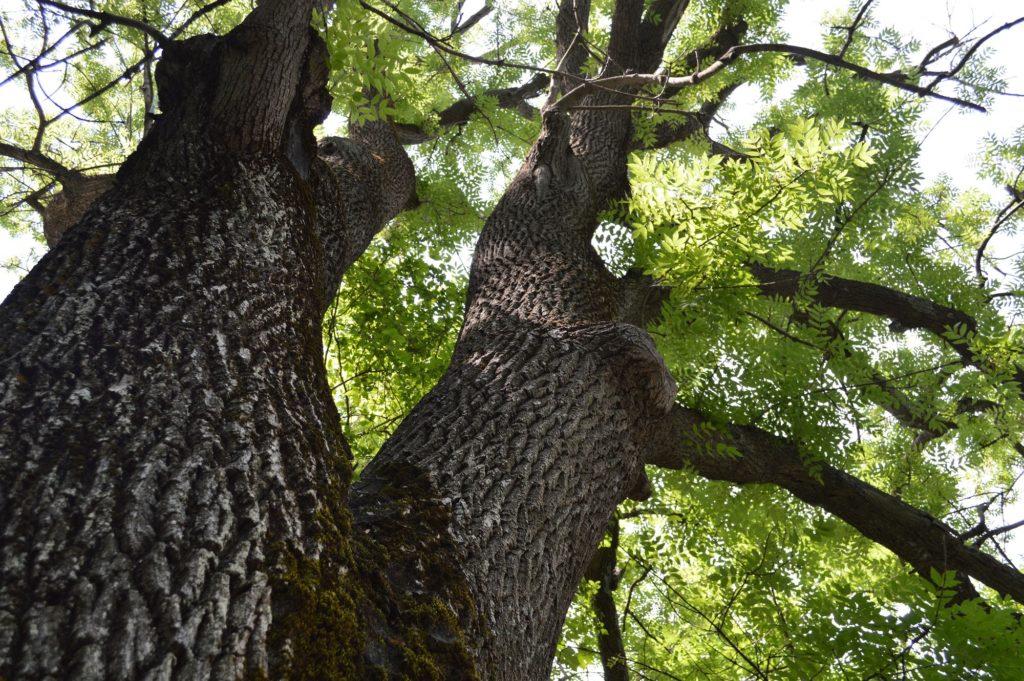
(950, 147)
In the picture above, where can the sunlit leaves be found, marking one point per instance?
(701, 217)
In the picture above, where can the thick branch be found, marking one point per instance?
(923, 541)
(41, 161)
(571, 26)
(660, 23)
(624, 41)
(364, 181)
(905, 310)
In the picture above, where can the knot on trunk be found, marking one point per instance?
(645, 385)
(68, 206)
(186, 68)
(552, 160)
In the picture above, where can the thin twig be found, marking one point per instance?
(851, 30)
(198, 15)
(974, 48)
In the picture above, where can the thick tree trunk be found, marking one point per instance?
(173, 472)
(539, 427)
(536, 431)
(165, 422)
(174, 499)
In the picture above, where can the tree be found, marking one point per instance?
(179, 498)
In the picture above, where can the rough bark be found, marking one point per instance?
(187, 513)
(542, 415)
(172, 465)
(69, 205)
(539, 427)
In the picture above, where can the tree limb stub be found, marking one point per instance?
(921, 540)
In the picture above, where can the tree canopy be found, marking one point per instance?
(835, 500)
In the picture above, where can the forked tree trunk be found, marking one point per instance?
(174, 499)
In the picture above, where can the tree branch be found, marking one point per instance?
(476, 18)
(571, 25)
(601, 569)
(905, 310)
(659, 23)
(1016, 203)
(974, 48)
(35, 63)
(696, 123)
(624, 39)
(110, 18)
(445, 47)
(636, 80)
(460, 112)
(897, 403)
(921, 540)
(41, 161)
(197, 15)
(851, 30)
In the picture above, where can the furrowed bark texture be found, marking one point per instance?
(535, 432)
(538, 429)
(167, 438)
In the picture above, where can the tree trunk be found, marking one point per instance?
(175, 483)
(536, 431)
(172, 464)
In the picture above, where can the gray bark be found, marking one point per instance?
(539, 427)
(167, 439)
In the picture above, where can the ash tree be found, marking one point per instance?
(704, 401)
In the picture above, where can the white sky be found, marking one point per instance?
(950, 147)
